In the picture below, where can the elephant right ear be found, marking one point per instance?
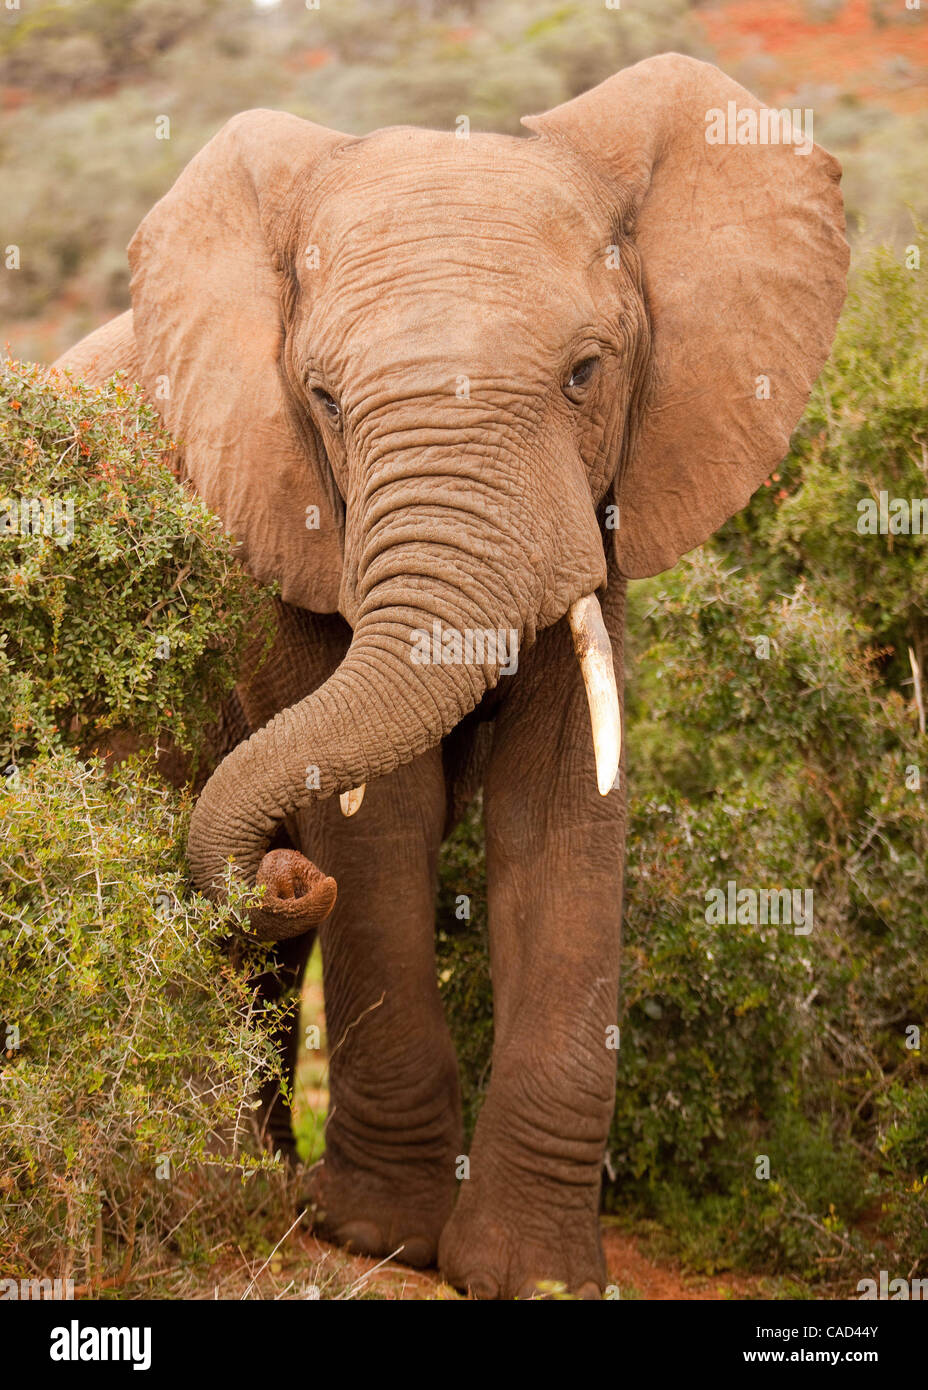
(209, 285)
(740, 235)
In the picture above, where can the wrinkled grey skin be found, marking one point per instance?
(398, 331)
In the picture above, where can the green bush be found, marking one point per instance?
(61, 50)
(746, 1040)
(130, 1045)
(121, 606)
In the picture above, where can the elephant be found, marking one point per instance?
(452, 394)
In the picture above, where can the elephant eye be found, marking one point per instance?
(581, 375)
(329, 404)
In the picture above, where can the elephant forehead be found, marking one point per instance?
(441, 256)
(409, 198)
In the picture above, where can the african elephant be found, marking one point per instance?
(465, 387)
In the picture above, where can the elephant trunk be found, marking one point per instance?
(378, 710)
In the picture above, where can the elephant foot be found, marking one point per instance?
(501, 1250)
(371, 1217)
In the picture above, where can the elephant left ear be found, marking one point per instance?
(744, 263)
(213, 284)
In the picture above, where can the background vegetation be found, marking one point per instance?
(802, 768)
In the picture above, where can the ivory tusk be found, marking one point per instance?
(594, 652)
(351, 801)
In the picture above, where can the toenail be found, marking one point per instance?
(482, 1286)
(590, 1290)
(417, 1251)
(363, 1237)
(530, 1290)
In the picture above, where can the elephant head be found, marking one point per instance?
(428, 380)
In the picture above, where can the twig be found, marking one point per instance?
(832, 1235)
(359, 1282)
(919, 703)
(271, 1256)
(95, 847)
(117, 1281)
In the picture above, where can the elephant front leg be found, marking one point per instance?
(528, 1213)
(386, 1183)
